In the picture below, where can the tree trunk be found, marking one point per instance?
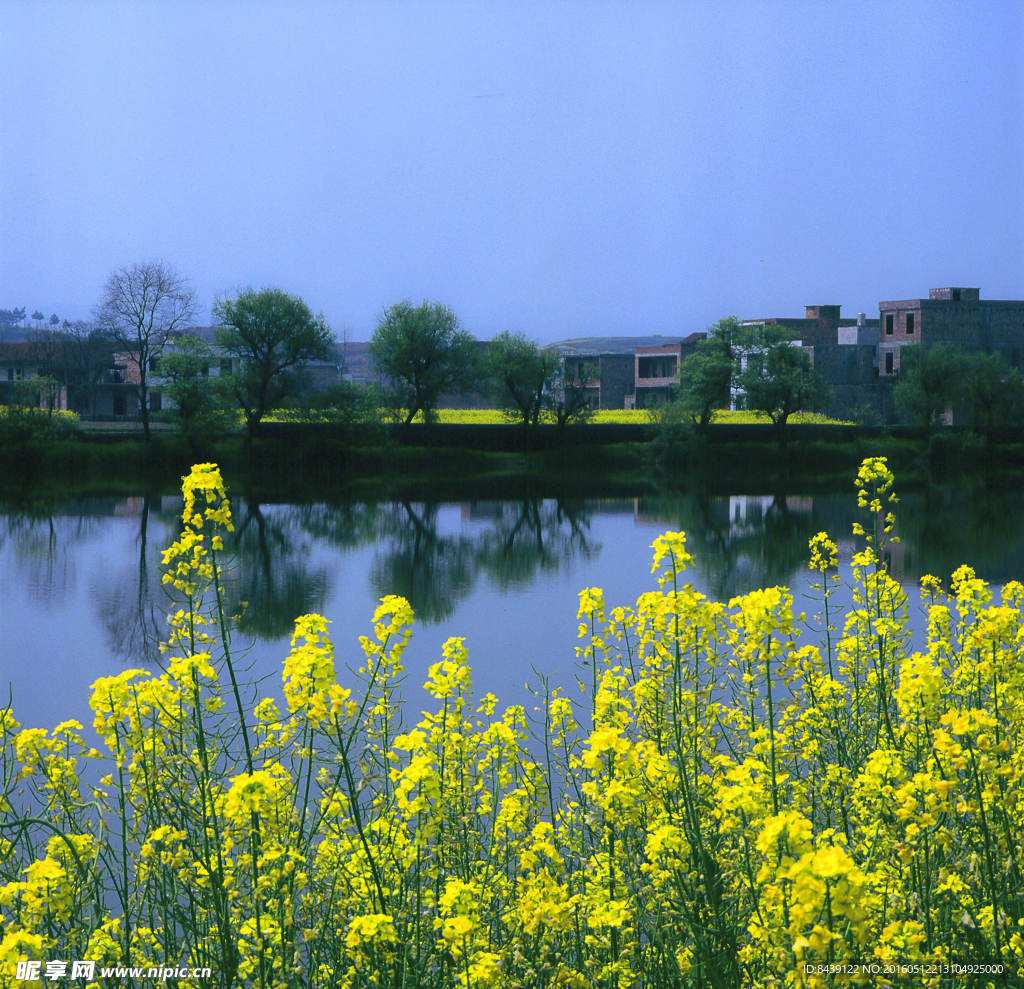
(780, 431)
(144, 409)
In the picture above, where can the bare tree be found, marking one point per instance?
(141, 306)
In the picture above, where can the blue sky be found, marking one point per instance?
(555, 168)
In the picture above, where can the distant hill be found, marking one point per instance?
(614, 345)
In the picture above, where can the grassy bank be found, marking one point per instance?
(290, 458)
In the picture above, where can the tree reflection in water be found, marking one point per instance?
(272, 572)
(740, 542)
(943, 528)
(533, 536)
(133, 610)
(435, 570)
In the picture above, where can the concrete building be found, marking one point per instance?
(124, 400)
(615, 382)
(846, 353)
(955, 316)
(19, 362)
(655, 369)
(820, 325)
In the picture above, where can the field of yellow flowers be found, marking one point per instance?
(637, 416)
(732, 795)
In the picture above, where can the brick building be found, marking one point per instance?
(956, 316)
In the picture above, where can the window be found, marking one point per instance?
(156, 401)
(120, 403)
(956, 295)
(910, 322)
(888, 363)
(888, 324)
(152, 365)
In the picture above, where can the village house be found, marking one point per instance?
(20, 362)
(955, 316)
(614, 385)
(845, 352)
(319, 374)
(655, 369)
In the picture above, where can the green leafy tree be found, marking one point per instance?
(197, 397)
(565, 399)
(48, 346)
(271, 334)
(518, 373)
(778, 379)
(931, 382)
(422, 351)
(141, 307)
(705, 377)
(343, 402)
(993, 395)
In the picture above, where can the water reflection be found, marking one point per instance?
(943, 528)
(436, 569)
(39, 549)
(292, 559)
(131, 603)
(275, 580)
(535, 536)
(741, 542)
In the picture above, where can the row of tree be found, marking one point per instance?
(759, 369)
(978, 389)
(10, 318)
(418, 352)
(421, 353)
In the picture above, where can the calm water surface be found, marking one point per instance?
(81, 597)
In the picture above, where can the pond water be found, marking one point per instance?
(81, 596)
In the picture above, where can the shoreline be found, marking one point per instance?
(295, 459)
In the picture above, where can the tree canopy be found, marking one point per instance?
(565, 399)
(197, 396)
(931, 382)
(778, 378)
(423, 352)
(11, 317)
(993, 395)
(519, 372)
(705, 377)
(271, 333)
